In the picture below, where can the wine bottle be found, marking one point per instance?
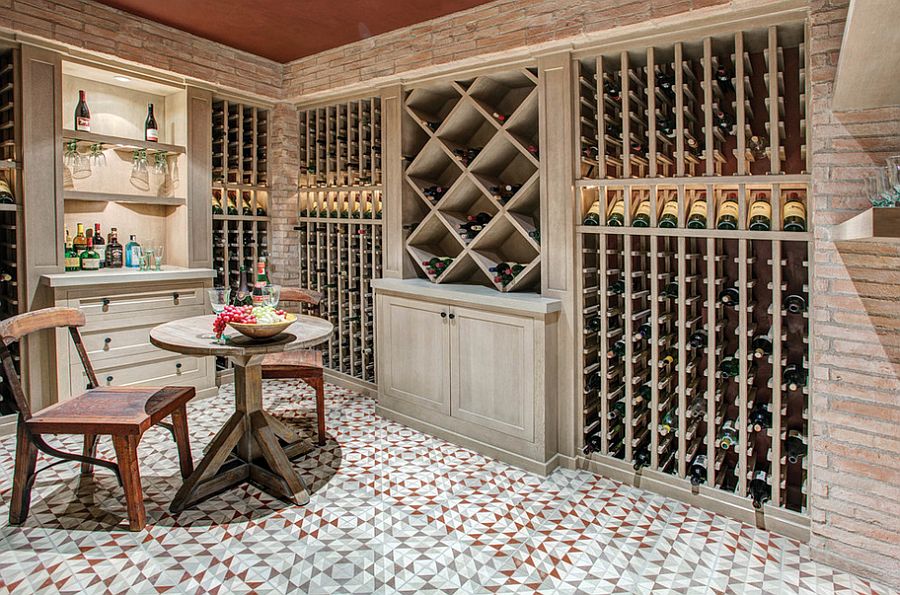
(669, 359)
(79, 243)
(594, 444)
(698, 339)
(593, 323)
(697, 214)
(217, 205)
(73, 263)
(728, 213)
(730, 366)
(669, 217)
(612, 90)
(89, 259)
(617, 287)
(666, 126)
(616, 216)
(641, 459)
(730, 297)
(762, 345)
(698, 469)
(617, 349)
(795, 303)
(246, 209)
(82, 114)
(151, 128)
(593, 214)
(759, 417)
(99, 245)
(723, 78)
(794, 446)
(6, 195)
(757, 146)
(232, 207)
(643, 395)
(114, 251)
(728, 436)
(668, 423)
(758, 488)
(616, 413)
(260, 293)
(794, 376)
(642, 214)
(666, 82)
(723, 121)
(670, 291)
(760, 213)
(644, 331)
(793, 213)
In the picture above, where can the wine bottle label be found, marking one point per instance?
(153, 134)
(73, 262)
(83, 124)
(671, 208)
(760, 476)
(761, 208)
(701, 460)
(90, 264)
(618, 207)
(698, 209)
(729, 208)
(643, 209)
(795, 209)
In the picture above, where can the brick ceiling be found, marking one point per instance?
(284, 30)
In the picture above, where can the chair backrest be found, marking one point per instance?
(302, 296)
(14, 328)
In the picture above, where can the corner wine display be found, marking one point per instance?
(240, 198)
(471, 201)
(695, 250)
(340, 225)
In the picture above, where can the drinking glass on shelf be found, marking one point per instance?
(140, 175)
(98, 158)
(273, 295)
(158, 256)
(147, 259)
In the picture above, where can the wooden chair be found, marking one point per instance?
(305, 365)
(123, 413)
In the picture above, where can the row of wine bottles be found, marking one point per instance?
(83, 119)
(341, 205)
(239, 144)
(231, 204)
(759, 216)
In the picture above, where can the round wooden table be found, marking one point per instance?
(246, 448)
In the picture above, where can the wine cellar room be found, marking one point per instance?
(625, 272)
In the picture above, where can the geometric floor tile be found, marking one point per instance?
(393, 511)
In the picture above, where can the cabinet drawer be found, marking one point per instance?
(138, 302)
(112, 337)
(173, 371)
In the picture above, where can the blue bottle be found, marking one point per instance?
(132, 253)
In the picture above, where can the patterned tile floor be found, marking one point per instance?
(394, 511)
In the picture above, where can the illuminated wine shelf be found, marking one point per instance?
(340, 226)
(695, 338)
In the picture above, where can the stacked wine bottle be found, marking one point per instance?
(340, 226)
(694, 247)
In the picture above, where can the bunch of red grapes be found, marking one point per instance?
(239, 314)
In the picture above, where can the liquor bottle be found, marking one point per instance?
(90, 260)
(668, 423)
(642, 214)
(670, 291)
(669, 217)
(794, 446)
(151, 128)
(6, 195)
(617, 287)
(757, 146)
(73, 263)
(115, 253)
(644, 331)
(88, 235)
(99, 245)
(697, 214)
(82, 114)
(641, 459)
(728, 213)
(723, 77)
(794, 376)
(795, 303)
(232, 207)
(730, 366)
(698, 469)
(730, 297)
(758, 488)
(759, 417)
(762, 345)
(728, 436)
(246, 209)
(760, 213)
(616, 216)
(132, 253)
(217, 205)
(793, 213)
(593, 214)
(259, 288)
(616, 413)
(723, 121)
(698, 339)
(594, 444)
(617, 349)
(79, 243)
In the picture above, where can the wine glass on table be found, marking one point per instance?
(219, 297)
(273, 295)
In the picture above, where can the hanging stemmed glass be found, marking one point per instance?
(140, 175)
(161, 165)
(71, 154)
(98, 158)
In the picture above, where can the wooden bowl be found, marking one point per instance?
(263, 331)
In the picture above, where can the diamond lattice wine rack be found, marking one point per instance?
(471, 203)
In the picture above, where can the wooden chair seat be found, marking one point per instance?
(115, 411)
(307, 358)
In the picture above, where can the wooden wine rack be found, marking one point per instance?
(471, 146)
(340, 226)
(240, 233)
(648, 292)
(11, 236)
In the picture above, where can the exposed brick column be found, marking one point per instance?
(855, 412)
(284, 166)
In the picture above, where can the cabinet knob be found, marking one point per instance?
(175, 296)
(178, 366)
(105, 302)
(443, 315)
(452, 316)
(107, 340)
(109, 378)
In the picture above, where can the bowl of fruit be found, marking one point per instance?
(255, 322)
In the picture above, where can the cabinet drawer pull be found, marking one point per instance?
(105, 302)
(443, 315)
(178, 366)
(452, 316)
(175, 297)
(109, 379)
(107, 340)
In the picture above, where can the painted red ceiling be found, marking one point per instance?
(284, 30)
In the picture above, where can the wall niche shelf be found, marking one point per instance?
(132, 198)
(119, 143)
(875, 224)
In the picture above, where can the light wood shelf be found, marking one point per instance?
(874, 224)
(634, 404)
(118, 142)
(126, 198)
(471, 149)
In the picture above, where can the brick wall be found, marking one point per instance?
(97, 28)
(855, 409)
(284, 160)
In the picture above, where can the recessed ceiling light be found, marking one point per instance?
(122, 79)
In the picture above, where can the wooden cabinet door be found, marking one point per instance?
(492, 371)
(415, 360)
